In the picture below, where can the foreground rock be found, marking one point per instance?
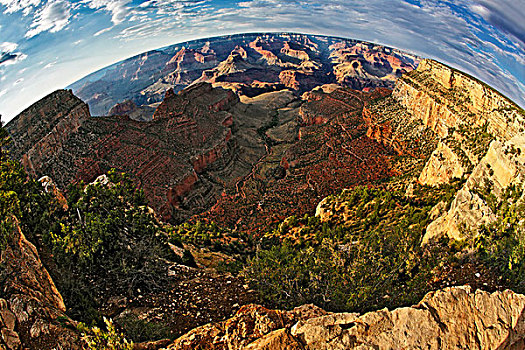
(453, 318)
(32, 312)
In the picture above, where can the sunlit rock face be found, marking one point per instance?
(450, 318)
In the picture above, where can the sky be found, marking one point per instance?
(48, 44)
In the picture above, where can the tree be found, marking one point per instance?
(4, 138)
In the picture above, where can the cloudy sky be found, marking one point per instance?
(49, 44)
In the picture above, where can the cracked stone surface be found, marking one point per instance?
(452, 318)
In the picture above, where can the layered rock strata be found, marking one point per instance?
(190, 136)
(444, 98)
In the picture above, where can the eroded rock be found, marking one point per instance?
(33, 305)
(452, 318)
(503, 165)
(443, 166)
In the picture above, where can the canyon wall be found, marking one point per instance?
(444, 98)
(44, 128)
(482, 140)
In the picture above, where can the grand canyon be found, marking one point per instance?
(266, 191)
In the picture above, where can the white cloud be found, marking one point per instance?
(102, 31)
(481, 37)
(26, 6)
(53, 17)
(3, 92)
(8, 46)
(50, 65)
(118, 9)
(507, 15)
(8, 56)
(451, 34)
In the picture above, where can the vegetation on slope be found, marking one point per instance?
(365, 255)
(107, 243)
(501, 244)
(104, 242)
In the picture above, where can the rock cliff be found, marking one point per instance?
(474, 126)
(178, 157)
(502, 166)
(444, 98)
(44, 128)
(443, 166)
(246, 60)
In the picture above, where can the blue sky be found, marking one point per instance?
(49, 44)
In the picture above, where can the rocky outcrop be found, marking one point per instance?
(45, 127)
(444, 98)
(296, 50)
(191, 134)
(466, 115)
(451, 318)
(503, 165)
(186, 60)
(124, 108)
(253, 327)
(128, 109)
(362, 65)
(51, 188)
(390, 124)
(443, 166)
(32, 311)
(301, 80)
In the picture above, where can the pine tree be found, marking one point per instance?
(4, 138)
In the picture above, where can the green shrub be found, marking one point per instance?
(140, 330)
(109, 339)
(370, 260)
(107, 243)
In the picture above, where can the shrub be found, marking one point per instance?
(370, 260)
(108, 243)
(109, 339)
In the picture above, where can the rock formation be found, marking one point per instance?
(44, 128)
(503, 165)
(443, 166)
(284, 133)
(444, 98)
(446, 319)
(191, 134)
(463, 117)
(32, 312)
(298, 61)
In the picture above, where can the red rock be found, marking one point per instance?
(123, 108)
(191, 130)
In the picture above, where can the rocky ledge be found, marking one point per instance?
(452, 318)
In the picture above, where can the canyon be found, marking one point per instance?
(294, 140)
